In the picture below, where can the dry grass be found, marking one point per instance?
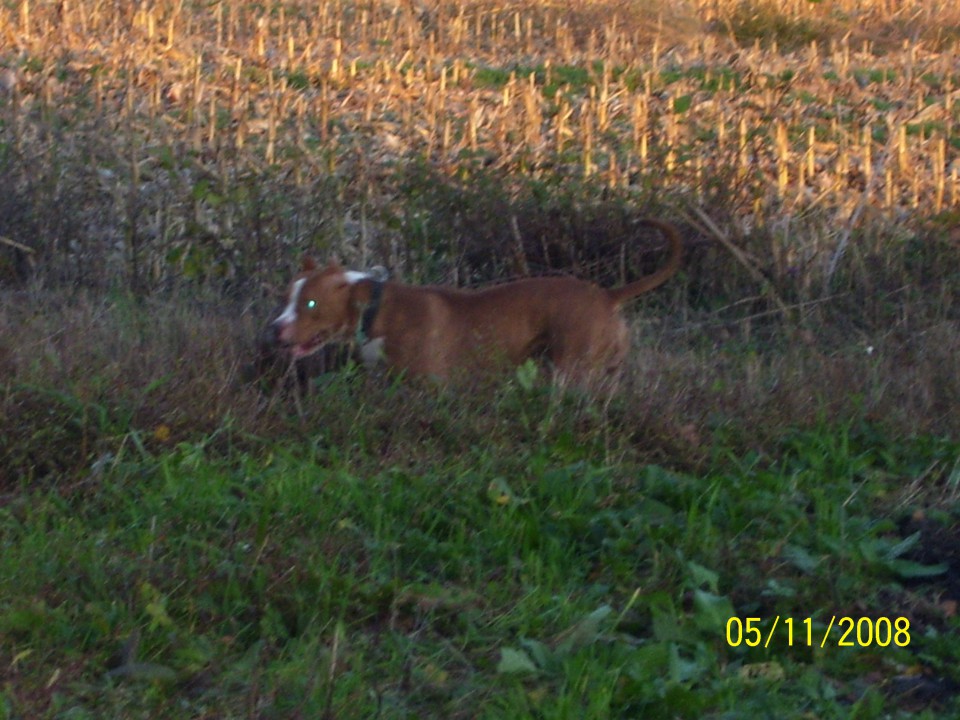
(86, 377)
(80, 372)
(165, 142)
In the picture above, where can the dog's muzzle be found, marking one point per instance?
(282, 336)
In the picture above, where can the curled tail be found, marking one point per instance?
(648, 283)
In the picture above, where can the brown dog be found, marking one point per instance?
(437, 331)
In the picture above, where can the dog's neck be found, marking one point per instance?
(368, 295)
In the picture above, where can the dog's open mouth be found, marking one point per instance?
(302, 350)
(282, 335)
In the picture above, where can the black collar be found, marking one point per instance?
(370, 311)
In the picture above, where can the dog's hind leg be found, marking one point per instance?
(592, 357)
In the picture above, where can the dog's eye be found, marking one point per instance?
(311, 304)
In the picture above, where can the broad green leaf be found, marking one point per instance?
(800, 558)
(515, 661)
(527, 375)
(908, 569)
(682, 669)
(903, 546)
(649, 661)
(700, 576)
(585, 631)
(711, 611)
(538, 652)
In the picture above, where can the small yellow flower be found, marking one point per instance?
(499, 491)
(161, 433)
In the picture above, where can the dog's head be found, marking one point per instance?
(318, 308)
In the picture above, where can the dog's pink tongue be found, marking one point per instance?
(300, 351)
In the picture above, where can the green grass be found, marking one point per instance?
(530, 574)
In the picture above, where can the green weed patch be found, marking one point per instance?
(295, 579)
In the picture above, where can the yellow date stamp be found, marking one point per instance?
(842, 631)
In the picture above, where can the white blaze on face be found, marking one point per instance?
(288, 317)
(289, 314)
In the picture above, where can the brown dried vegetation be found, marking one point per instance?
(160, 141)
(809, 150)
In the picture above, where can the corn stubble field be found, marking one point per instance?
(183, 537)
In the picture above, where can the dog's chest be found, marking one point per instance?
(371, 352)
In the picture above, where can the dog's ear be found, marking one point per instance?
(333, 264)
(307, 264)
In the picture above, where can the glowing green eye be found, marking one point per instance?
(311, 304)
